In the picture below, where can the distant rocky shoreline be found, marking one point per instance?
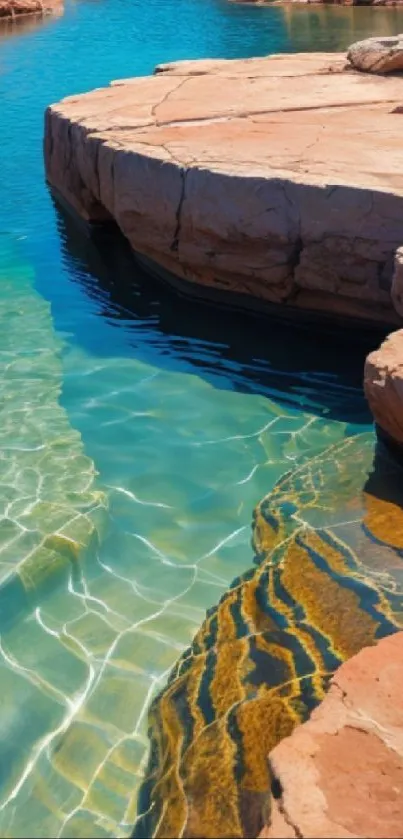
(10, 9)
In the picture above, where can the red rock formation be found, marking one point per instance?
(340, 775)
(383, 385)
(263, 178)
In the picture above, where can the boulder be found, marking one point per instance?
(397, 282)
(378, 55)
(340, 775)
(383, 385)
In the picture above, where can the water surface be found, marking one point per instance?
(174, 417)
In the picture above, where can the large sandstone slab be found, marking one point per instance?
(340, 775)
(277, 179)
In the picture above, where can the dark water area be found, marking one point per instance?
(298, 364)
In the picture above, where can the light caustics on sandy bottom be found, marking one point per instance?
(105, 579)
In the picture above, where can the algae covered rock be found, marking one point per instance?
(327, 581)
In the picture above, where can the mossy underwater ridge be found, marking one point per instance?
(327, 581)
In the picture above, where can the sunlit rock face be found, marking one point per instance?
(327, 581)
(340, 774)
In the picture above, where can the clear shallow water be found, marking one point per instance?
(188, 415)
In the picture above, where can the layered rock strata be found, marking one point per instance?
(341, 773)
(277, 179)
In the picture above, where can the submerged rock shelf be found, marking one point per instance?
(274, 180)
(52, 509)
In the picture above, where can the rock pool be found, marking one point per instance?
(138, 430)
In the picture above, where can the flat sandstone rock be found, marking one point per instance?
(277, 179)
(340, 775)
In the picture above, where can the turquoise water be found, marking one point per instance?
(138, 430)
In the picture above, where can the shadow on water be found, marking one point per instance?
(318, 370)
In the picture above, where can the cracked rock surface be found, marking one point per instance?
(279, 179)
(340, 775)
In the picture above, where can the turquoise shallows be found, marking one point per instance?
(137, 431)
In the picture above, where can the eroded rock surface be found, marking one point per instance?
(378, 55)
(15, 8)
(341, 773)
(383, 384)
(277, 179)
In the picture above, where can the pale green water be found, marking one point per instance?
(188, 415)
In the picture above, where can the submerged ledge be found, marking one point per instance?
(277, 179)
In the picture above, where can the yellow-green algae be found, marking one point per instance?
(328, 548)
